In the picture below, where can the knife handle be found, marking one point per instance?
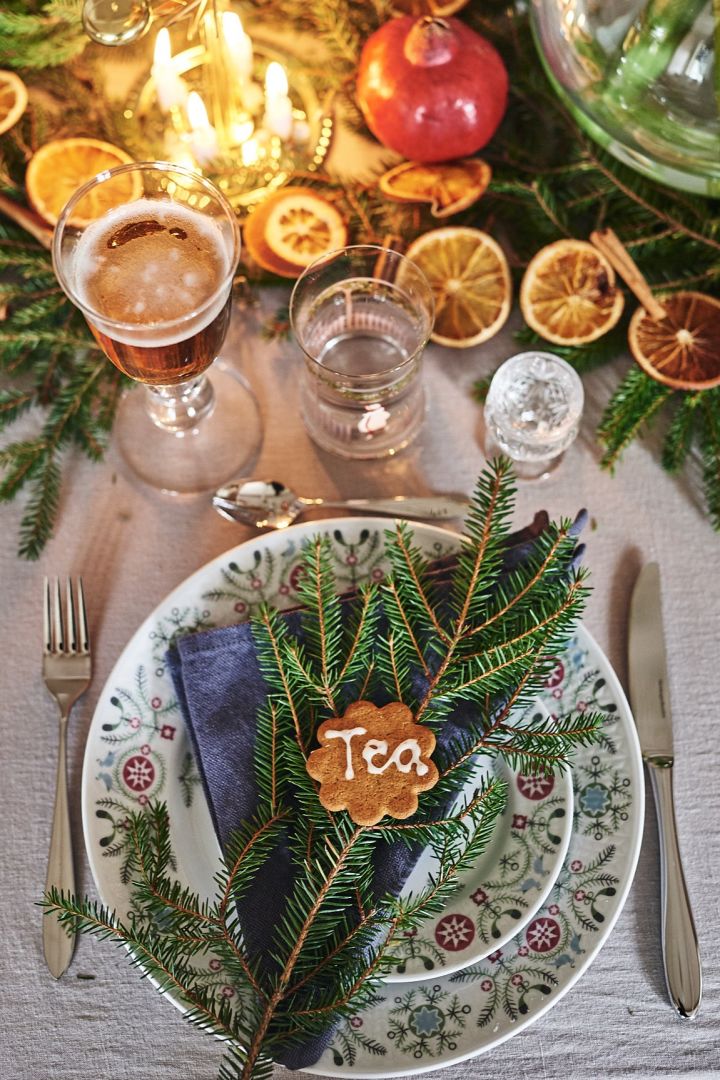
(681, 957)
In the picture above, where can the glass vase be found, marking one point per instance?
(642, 79)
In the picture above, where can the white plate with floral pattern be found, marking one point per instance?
(507, 885)
(137, 750)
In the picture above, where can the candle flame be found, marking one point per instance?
(240, 130)
(163, 52)
(250, 152)
(196, 111)
(276, 84)
(232, 29)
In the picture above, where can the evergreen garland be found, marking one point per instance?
(549, 181)
(40, 35)
(56, 369)
(494, 645)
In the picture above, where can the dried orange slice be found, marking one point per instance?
(683, 349)
(60, 167)
(450, 186)
(470, 280)
(13, 99)
(568, 294)
(291, 228)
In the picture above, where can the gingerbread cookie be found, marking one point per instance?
(373, 762)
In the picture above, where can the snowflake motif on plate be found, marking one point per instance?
(454, 932)
(604, 797)
(427, 1021)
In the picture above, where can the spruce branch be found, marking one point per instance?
(148, 949)
(711, 452)
(584, 358)
(694, 419)
(335, 936)
(630, 409)
(361, 637)
(270, 634)
(40, 35)
(681, 431)
(63, 376)
(410, 573)
(36, 525)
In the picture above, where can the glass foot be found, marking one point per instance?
(189, 461)
(523, 469)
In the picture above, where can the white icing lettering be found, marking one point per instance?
(374, 747)
(347, 736)
(413, 746)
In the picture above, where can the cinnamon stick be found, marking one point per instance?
(28, 220)
(608, 243)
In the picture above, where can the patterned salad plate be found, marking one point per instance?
(526, 923)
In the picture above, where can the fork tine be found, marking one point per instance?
(84, 643)
(59, 633)
(71, 629)
(47, 623)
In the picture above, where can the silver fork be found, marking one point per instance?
(66, 670)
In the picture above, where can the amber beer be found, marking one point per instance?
(159, 273)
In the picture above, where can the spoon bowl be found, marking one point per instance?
(270, 504)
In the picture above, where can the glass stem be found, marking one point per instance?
(181, 407)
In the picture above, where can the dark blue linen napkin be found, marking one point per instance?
(220, 689)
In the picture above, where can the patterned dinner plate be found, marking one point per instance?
(555, 881)
(507, 885)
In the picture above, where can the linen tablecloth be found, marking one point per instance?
(133, 546)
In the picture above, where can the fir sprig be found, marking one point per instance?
(62, 374)
(40, 35)
(632, 406)
(693, 418)
(710, 442)
(487, 638)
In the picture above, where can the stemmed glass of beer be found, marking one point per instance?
(148, 252)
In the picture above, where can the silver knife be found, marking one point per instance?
(650, 698)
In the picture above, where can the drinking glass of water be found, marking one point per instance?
(532, 411)
(362, 317)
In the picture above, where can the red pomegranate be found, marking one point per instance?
(431, 89)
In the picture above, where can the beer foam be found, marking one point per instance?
(148, 263)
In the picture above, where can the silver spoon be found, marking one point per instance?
(268, 504)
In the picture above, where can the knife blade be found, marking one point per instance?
(650, 699)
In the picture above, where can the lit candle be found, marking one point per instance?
(239, 45)
(278, 107)
(171, 90)
(203, 137)
(249, 94)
